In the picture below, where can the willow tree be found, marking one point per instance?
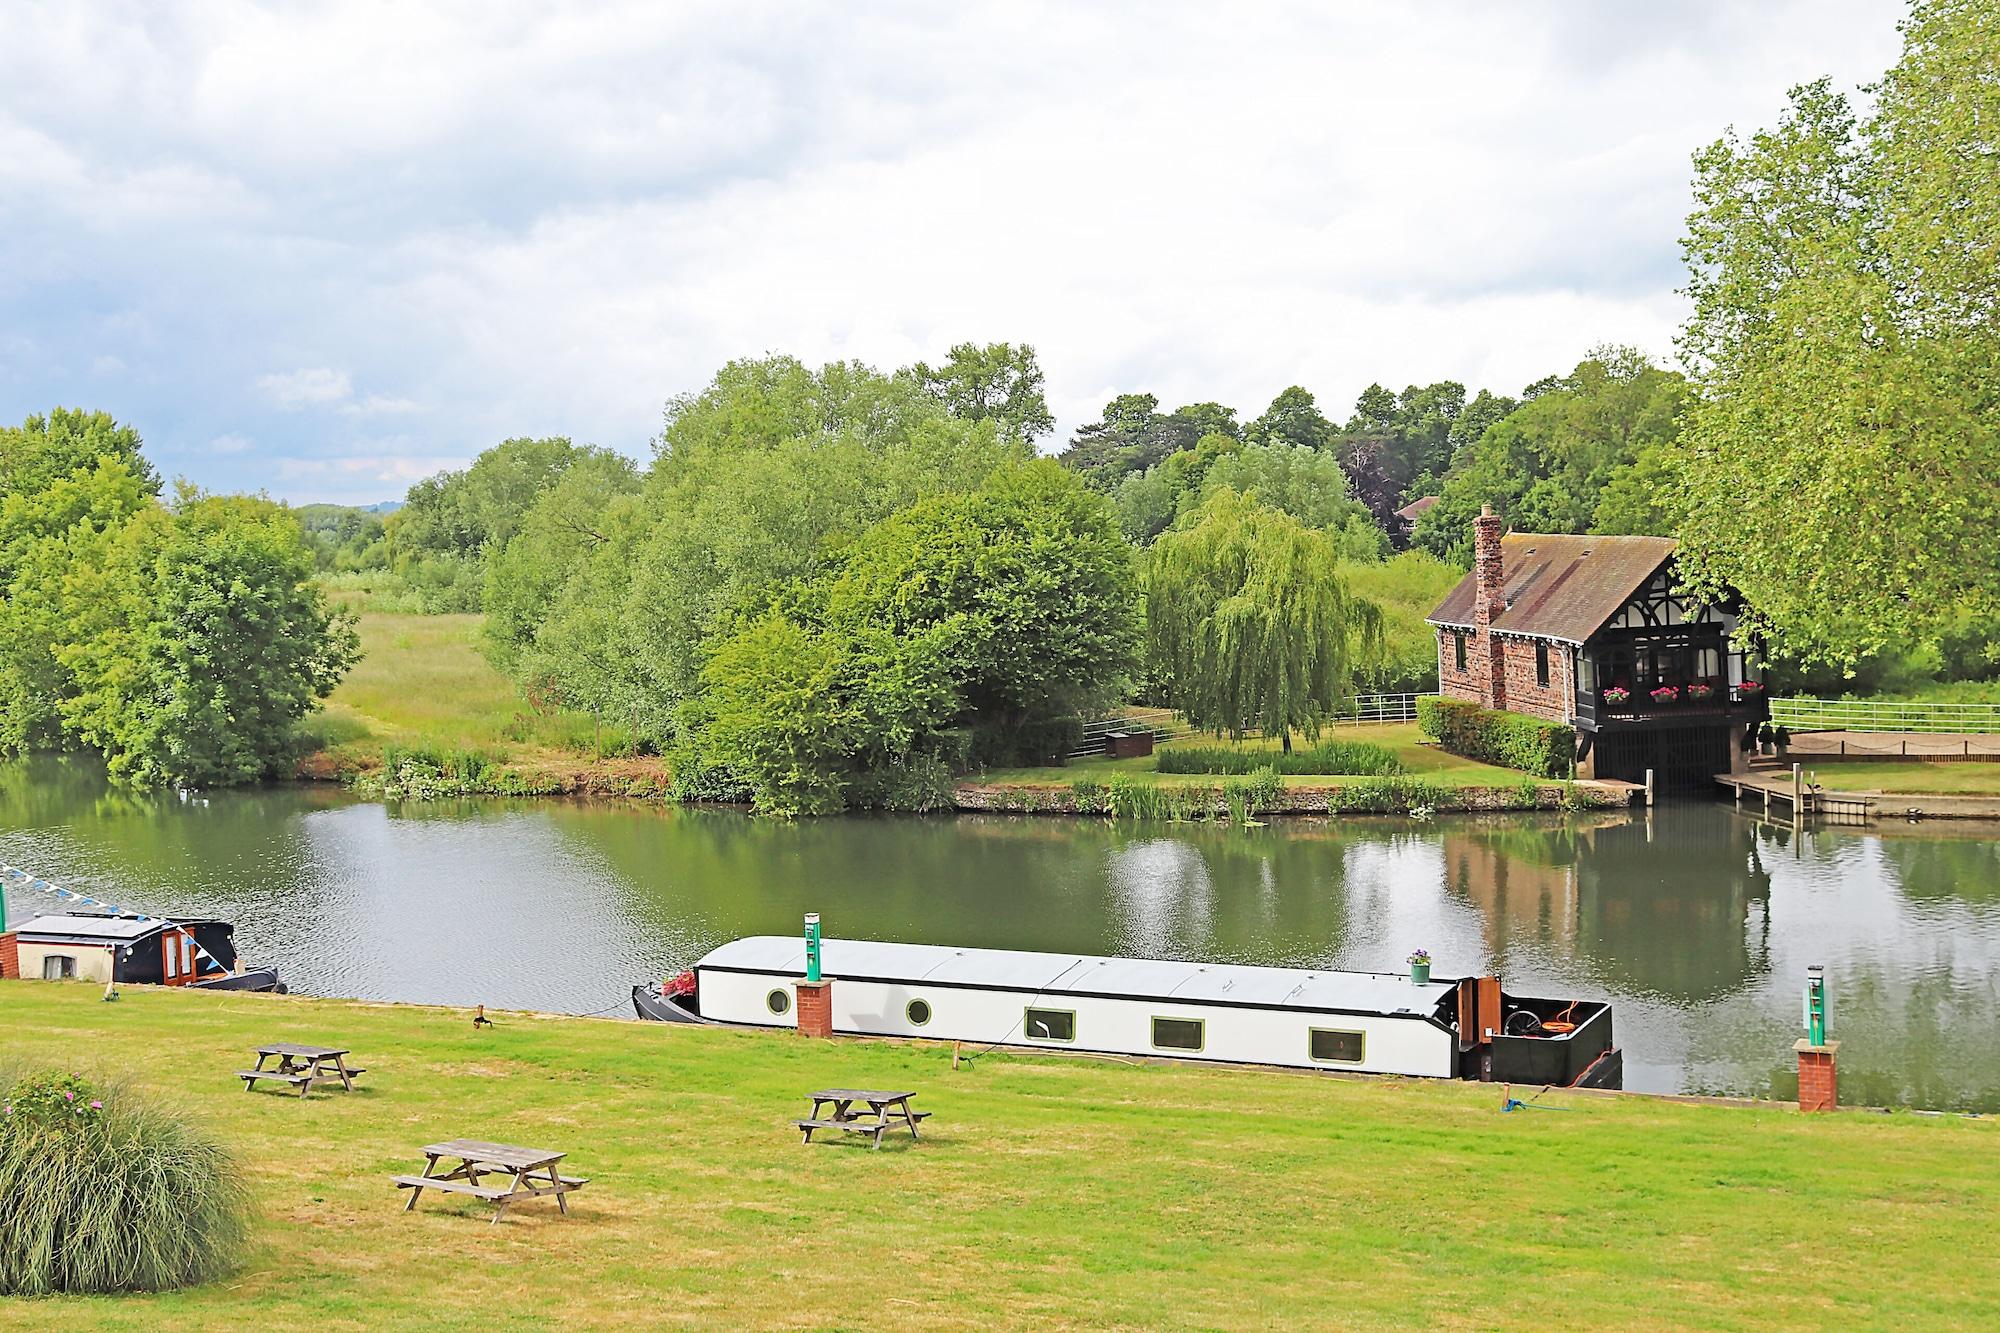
(1249, 624)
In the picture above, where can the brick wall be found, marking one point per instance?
(1514, 662)
(815, 1008)
(1818, 1090)
(10, 955)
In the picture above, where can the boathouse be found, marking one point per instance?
(1593, 631)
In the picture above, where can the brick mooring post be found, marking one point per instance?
(10, 956)
(816, 1008)
(1818, 1082)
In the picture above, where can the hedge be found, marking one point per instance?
(1512, 740)
(1331, 757)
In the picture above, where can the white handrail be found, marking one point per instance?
(1886, 715)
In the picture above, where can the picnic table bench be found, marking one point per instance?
(530, 1173)
(885, 1111)
(301, 1066)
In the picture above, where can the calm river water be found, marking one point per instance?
(1695, 920)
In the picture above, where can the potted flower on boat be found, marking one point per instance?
(1700, 692)
(1617, 696)
(1420, 967)
(1665, 694)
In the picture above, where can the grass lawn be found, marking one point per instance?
(1946, 779)
(1047, 1190)
(422, 679)
(1424, 761)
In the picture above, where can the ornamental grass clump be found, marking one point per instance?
(101, 1191)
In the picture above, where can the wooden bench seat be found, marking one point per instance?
(451, 1186)
(252, 1075)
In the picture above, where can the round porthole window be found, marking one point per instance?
(778, 1002)
(918, 1012)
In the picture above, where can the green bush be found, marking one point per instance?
(1393, 795)
(1343, 757)
(104, 1192)
(1512, 740)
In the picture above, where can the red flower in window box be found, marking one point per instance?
(1665, 694)
(1700, 692)
(1748, 688)
(1617, 694)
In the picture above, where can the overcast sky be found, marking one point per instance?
(325, 249)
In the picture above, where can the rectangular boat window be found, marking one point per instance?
(1049, 1024)
(1333, 1044)
(187, 954)
(1541, 662)
(173, 962)
(1177, 1034)
(58, 967)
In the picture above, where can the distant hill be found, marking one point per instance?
(382, 507)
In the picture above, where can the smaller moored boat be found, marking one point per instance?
(127, 948)
(1367, 1022)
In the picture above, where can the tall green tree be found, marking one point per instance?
(199, 642)
(1250, 625)
(1293, 418)
(439, 539)
(45, 449)
(1845, 338)
(998, 382)
(1134, 435)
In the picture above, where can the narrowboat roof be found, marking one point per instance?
(98, 928)
(1087, 974)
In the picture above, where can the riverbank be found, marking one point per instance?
(1046, 1189)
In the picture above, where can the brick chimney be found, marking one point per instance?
(1488, 601)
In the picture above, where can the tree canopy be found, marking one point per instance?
(1250, 625)
(1845, 276)
(998, 382)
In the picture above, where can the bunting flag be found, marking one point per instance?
(27, 880)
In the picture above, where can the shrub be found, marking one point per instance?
(1255, 794)
(1344, 757)
(1386, 796)
(104, 1192)
(1513, 740)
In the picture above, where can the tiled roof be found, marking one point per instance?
(1415, 507)
(1561, 587)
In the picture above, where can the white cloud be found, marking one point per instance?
(225, 445)
(309, 387)
(510, 218)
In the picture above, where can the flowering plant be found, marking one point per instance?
(1665, 694)
(52, 1100)
(1701, 690)
(1617, 694)
(1421, 958)
(1748, 687)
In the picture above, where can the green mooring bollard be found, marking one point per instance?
(812, 946)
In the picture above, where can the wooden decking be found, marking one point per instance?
(1788, 793)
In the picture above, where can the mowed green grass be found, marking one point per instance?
(1424, 761)
(422, 680)
(1046, 1191)
(1973, 778)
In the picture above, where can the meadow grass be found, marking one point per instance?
(422, 681)
(1974, 778)
(1047, 1190)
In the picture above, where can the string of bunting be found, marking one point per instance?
(85, 900)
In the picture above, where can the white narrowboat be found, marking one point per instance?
(1368, 1022)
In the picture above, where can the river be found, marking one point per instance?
(1695, 920)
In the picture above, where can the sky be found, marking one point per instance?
(324, 250)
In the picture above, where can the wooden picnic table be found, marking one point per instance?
(301, 1066)
(884, 1110)
(531, 1173)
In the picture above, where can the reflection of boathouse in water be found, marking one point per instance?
(1691, 927)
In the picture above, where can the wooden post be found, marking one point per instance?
(954, 1053)
(1649, 786)
(1798, 788)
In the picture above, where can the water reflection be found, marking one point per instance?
(1697, 921)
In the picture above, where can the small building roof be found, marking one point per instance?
(1560, 587)
(96, 928)
(1416, 507)
(1058, 974)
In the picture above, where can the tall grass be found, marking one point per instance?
(1330, 756)
(108, 1192)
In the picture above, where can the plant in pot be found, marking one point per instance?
(1781, 736)
(1764, 736)
(1420, 967)
(1700, 692)
(1617, 696)
(1665, 695)
(1749, 689)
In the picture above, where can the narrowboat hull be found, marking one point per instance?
(251, 979)
(654, 1004)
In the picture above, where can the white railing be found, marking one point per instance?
(1886, 715)
(1165, 726)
